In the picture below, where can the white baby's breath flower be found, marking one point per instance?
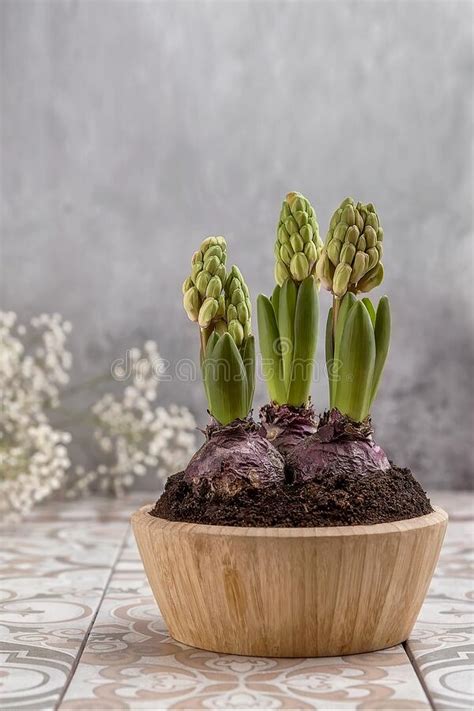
(34, 459)
(135, 435)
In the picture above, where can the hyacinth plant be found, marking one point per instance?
(357, 344)
(219, 302)
(288, 325)
(235, 453)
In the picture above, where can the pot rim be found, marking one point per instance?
(436, 517)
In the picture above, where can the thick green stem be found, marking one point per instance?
(336, 303)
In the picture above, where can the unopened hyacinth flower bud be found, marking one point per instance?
(298, 245)
(352, 253)
(203, 297)
(239, 309)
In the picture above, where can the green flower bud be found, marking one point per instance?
(359, 220)
(208, 242)
(187, 284)
(242, 312)
(372, 221)
(237, 296)
(214, 251)
(281, 273)
(310, 252)
(352, 234)
(347, 253)
(341, 278)
(221, 308)
(325, 270)
(359, 266)
(358, 229)
(291, 225)
(192, 303)
(301, 218)
(299, 245)
(201, 281)
(346, 201)
(238, 304)
(307, 233)
(207, 311)
(296, 202)
(348, 215)
(221, 273)
(211, 264)
(236, 330)
(370, 236)
(335, 219)
(373, 257)
(206, 261)
(286, 253)
(361, 244)
(232, 314)
(372, 279)
(283, 235)
(334, 250)
(340, 231)
(234, 284)
(299, 267)
(214, 287)
(196, 269)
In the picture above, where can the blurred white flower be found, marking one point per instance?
(33, 456)
(135, 435)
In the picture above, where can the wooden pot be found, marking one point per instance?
(290, 592)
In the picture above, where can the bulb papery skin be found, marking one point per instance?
(234, 457)
(285, 426)
(341, 446)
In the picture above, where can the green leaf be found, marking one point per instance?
(269, 338)
(329, 354)
(357, 354)
(346, 304)
(276, 300)
(248, 358)
(382, 342)
(286, 324)
(211, 343)
(226, 380)
(305, 340)
(370, 308)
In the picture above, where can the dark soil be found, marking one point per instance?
(333, 499)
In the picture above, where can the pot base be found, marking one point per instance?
(290, 592)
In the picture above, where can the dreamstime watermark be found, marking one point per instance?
(187, 370)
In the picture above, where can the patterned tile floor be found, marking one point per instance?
(79, 630)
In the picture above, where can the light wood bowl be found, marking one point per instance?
(290, 592)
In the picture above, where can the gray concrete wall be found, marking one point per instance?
(132, 129)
